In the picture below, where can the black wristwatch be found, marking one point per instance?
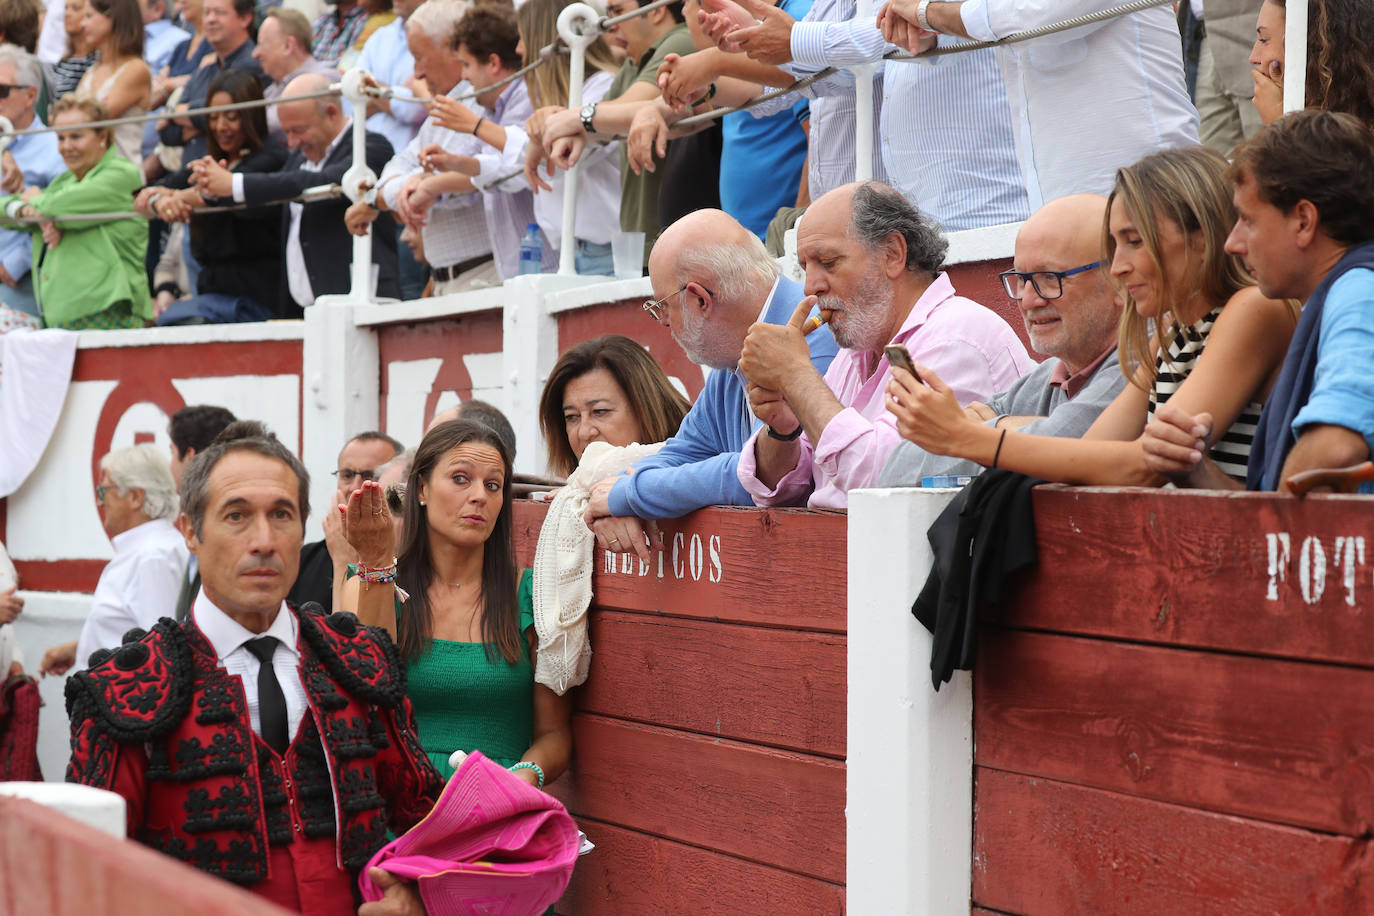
(785, 438)
(587, 113)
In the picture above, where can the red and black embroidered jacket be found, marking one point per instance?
(158, 721)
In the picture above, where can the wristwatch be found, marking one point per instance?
(586, 114)
(921, 19)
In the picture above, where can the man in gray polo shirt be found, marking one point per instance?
(1061, 285)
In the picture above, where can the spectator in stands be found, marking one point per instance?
(608, 389)
(485, 41)
(273, 689)
(138, 587)
(1126, 71)
(324, 562)
(712, 279)
(648, 40)
(948, 140)
(1060, 283)
(1222, 32)
(97, 180)
(1340, 46)
(387, 57)
(160, 36)
(193, 430)
(227, 24)
(31, 161)
(1305, 205)
(19, 24)
(1195, 333)
(120, 79)
(455, 238)
(239, 251)
(185, 57)
(466, 631)
(379, 16)
(313, 236)
(875, 264)
(79, 56)
(283, 52)
(337, 30)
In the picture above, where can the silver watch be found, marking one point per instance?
(586, 114)
(921, 19)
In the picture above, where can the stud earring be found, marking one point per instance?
(422, 502)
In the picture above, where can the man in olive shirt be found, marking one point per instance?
(647, 40)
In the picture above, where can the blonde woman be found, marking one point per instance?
(1195, 332)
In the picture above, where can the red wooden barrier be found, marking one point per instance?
(1172, 714)
(55, 866)
(709, 738)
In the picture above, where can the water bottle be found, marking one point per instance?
(531, 251)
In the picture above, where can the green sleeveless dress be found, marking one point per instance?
(465, 701)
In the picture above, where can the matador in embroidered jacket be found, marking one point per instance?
(287, 787)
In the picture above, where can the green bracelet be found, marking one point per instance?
(528, 765)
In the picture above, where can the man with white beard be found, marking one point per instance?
(873, 264)
(712, 280)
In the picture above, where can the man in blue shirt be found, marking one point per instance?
(1305, 226)
(31, 161)
(712, 280)
(160, 36)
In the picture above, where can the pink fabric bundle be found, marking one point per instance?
(494, 844)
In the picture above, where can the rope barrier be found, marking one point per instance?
(901, 57)
(605, 23)
(309, 195)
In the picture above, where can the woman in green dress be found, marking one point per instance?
(88, 274)
(465, 629)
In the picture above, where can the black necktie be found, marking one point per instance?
(271, 701)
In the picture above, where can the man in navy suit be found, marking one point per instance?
(318, 249)
(712, 280)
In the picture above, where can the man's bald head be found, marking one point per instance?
(1081, 323)
(310, 124)
(727, 275)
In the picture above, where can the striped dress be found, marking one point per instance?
(1231, 451)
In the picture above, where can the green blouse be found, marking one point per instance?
(465, 701)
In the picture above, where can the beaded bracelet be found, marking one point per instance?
(528, 765)
(380, 575)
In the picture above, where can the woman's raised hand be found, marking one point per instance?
(367, 525)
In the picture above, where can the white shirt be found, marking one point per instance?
(387, 57)
(598, 179)
(1091, 100)
(297, 277)
(136, 588)
(228, 638)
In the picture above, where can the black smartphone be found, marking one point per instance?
(898, 356)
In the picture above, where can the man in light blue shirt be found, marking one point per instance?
(160, 37)
(712, 281)
(387, 57)
(36, 157)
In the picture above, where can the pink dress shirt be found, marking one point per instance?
(973, 350)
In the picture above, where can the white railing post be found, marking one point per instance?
(357, 181)
(909, 759)
(1295, 56)
(863, 108)
(577, 26)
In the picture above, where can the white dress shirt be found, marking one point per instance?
(136, 588)
(1090, 100)
(297, 277)
(387, 57)
(229, 639)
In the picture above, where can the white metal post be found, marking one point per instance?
(909, 755)
(577, 26)
(356, 181)
(1295, 57)
(863, 108)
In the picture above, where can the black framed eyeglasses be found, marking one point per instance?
(348, 475)
(6, 88)
(1048, 284)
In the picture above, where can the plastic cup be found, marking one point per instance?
(627, 250)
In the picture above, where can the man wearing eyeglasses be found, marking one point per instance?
(323, 563)
(137, 499)
(1059, 281)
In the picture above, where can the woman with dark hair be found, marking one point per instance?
(611, 390)
(464, 628)
(120, 79)
(1340, 58)
(239, 251)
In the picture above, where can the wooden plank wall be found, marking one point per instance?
(708, 764)
(1173, 716)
